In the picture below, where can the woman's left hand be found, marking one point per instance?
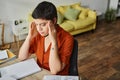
(52, 32)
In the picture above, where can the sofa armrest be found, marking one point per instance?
(92, 14)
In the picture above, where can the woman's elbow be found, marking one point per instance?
(21, 58)
(54, 72)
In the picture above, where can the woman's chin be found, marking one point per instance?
(44, 35)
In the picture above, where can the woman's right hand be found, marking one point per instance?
(24, 50)
(32, 30)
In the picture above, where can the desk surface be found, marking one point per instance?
(36, 76)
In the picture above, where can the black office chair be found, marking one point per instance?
(73, 70)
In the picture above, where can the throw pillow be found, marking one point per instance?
(71, 14)
(60, 18)
(62, 9)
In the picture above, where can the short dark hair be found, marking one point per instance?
(45, 10)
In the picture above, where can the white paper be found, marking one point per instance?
(3, 54)
(58, 77)
(21, 69)
(69, 78)
(7, 78)
(51, 77)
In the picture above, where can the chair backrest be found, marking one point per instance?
(73, 70)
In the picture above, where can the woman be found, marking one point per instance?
(51, 44)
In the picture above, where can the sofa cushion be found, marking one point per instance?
(81, 23)
(71, 14)
(62, 9)
(92, 14)
(84, 14)
(60, 17)
(78, 7)
(67, 26)
(75, 4)
(30, 19)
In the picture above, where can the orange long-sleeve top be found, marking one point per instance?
(65, 45)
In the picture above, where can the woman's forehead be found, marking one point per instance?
(40, 20)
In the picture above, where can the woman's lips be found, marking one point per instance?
(41, 32)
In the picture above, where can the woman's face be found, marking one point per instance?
(42, 26)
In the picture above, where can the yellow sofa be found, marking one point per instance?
(75, 19)
(83, 20)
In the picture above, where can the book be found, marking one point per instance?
(11, 56)
(3, 54)
(59, 77)
(20, 69)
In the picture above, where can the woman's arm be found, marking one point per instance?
(54, 60)
(24, 50)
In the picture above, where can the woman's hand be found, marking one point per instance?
(32, 30)
(52, 32)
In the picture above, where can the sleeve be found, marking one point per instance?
(32, 46)
(66, 50)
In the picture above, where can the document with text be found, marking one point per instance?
(59, 77)
(7, 78)
(20, 69)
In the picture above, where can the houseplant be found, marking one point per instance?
(110, 15)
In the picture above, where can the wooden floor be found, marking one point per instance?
(99, 52)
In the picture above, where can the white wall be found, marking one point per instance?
(99, 5)
(11, 10)
(113, 4)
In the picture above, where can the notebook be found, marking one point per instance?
(20, 69)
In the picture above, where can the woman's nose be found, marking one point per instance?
(39, 28)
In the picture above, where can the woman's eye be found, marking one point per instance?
(36, 24)
(43, 24)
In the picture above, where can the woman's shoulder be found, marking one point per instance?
(64, 35)
(62, 32)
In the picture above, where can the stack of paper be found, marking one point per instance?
(20, 69)
(3, 54)
(58, 77)
(6, 55)
(7, 78)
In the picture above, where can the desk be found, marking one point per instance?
(36, 76)
(99, 15)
